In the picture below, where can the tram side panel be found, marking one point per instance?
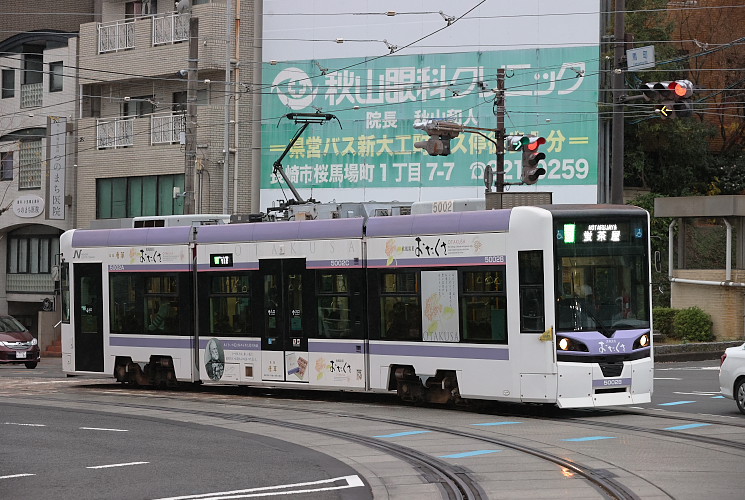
(283, 313)
(439, 308)
(143, 309)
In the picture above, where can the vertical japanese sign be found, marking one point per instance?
(440, 306)
(56, 160)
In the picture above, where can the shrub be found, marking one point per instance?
(663, 318)
(693, 325)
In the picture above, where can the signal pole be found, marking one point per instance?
(500, 131)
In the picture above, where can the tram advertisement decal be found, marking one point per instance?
(552, 92)
(459, 249)
(440, 306)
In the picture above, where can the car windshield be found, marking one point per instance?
(9, 324)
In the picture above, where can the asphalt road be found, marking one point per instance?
(74, 454)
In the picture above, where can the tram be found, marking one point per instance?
(541, 304)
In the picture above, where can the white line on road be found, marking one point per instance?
(25, 425)
(16, 475)
(102, 429)
(115, 465)
(351, 482)
(667, 378)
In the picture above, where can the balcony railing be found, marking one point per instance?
(119, 35)
(31, 95)
(170, 28)
(166, 129)
(117, 133)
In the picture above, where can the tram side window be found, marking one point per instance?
(400, 306)
(484, 306)
(65, 291)
(532, 317)
(126, 313)
(333, 304)
(230, 305)
(162, 304)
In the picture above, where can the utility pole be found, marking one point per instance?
(619, 35)
(228, 95)
(190, 146)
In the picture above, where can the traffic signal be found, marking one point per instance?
(672, 98)
(529, 145)
(440, 132)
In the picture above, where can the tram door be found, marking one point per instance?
(88, 317)
(286, 311)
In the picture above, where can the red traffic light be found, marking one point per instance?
(681, 88)
(536, 143)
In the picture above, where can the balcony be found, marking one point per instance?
(116, 133)
(116, 36)
(166, 129)
(31, 95)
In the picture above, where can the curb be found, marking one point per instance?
(692, 352)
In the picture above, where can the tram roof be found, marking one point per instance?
(130, 236)
(288, 230)
(451, 222)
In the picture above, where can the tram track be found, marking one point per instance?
(454, 481)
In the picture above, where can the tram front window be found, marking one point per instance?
(602, 280)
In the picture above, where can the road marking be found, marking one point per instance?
(350, 482)
(668, 378)
(16, 475)
(682, 427)
(116, 465)
(498, 423)
(676, 403)
(102, 429)
(470, 453)
(589, 438)
(399, 434)
(698, 393)
(25, 425)
(717, 397)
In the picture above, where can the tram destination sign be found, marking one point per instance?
(603, 233)
(221, 260)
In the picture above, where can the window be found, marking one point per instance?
(532, 317)
(65, 291)
(333, 303)
(149, 303)
(55, 76)
(29, 166)
(33, 68)
(484, 306)
(138, 106)
(120, 197)
(229, 305)
(6, 166)
(179, 102)
(400, 306)
(9, 83)
(32, 254)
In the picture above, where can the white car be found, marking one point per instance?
(732, 375)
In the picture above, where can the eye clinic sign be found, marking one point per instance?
(28, 206)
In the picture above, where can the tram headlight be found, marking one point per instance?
(642, 341)
(567, 344)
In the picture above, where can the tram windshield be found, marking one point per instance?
(602, 275)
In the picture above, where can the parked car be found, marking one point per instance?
(732, 375)
(17, 345)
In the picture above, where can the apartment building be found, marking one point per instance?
(38, 107)
(156, 113)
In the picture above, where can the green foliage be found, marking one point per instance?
(663, 319)
(693, 325)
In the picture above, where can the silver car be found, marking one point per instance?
(732, 375)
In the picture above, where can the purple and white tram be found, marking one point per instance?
(545, 304)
